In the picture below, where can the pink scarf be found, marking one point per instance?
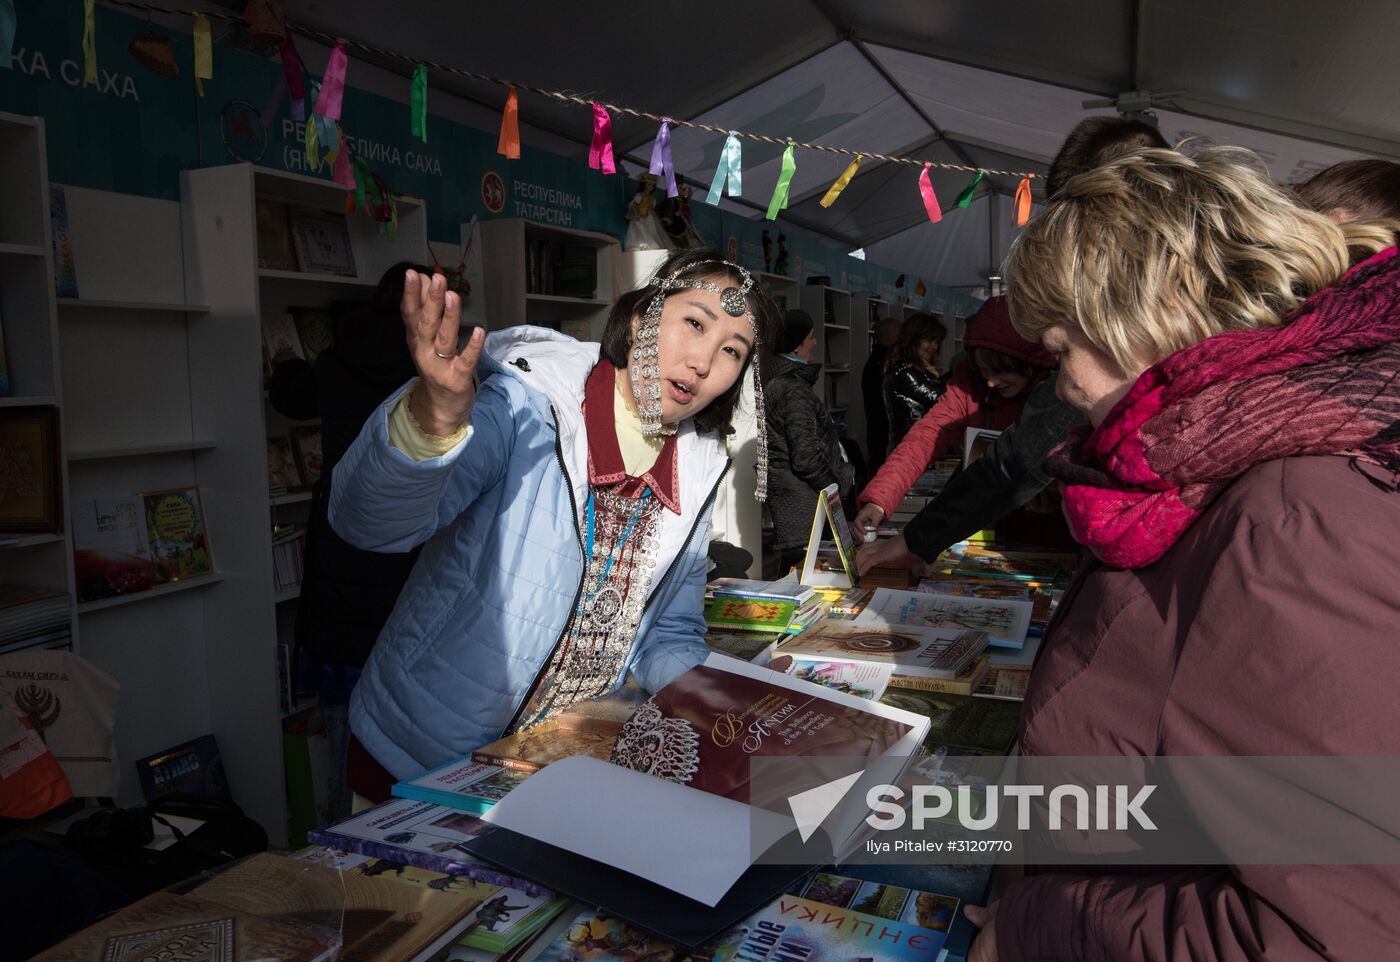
(1325, 382)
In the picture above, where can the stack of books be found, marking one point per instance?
(288, 557)
(765, 606)
(33, 617)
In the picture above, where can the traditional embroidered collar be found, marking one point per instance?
(605, 465)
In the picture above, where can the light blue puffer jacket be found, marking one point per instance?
(500, 518)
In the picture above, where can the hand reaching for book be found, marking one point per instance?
(889, 553)
(868, 518)
(984, 947)
(431, 317)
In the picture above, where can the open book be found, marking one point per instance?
(690, 749)
(1005, 620)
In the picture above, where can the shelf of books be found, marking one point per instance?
(544, 275)
(37, 608)
(831, 309)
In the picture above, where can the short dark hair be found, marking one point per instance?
(696, 262)
(916, 329)
(1095, 141)
(998, 362)
(1355, 190)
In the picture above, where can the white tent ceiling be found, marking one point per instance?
(986, 83)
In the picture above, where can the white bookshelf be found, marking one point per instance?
(866, 312)
(30, 323)
(519, 287)
(245, 613)
(831, 311)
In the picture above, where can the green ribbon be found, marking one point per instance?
(780, 192)
(89, 43)
(419, 109)
(965, 198)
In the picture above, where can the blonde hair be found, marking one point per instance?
(1157, 250)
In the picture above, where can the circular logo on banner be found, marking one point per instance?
(245, 138)
(732, 250)
(493, 192)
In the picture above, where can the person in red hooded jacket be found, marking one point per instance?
(986, 390)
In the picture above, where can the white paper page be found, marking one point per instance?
(1005, 620)
(641, 824)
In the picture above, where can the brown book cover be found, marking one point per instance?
(702, 729)
(172, 927)
(379, 920)
(535, 747)
(966, 682)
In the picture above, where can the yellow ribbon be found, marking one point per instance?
(203, 52)
(89, 43)
(834, 191)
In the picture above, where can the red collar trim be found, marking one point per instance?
(605, 466)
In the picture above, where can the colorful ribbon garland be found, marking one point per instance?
(332, 96)
(779, 200)
(661, 163)
(509, 143)
(729, 170)
(965, 198)
(1022, 204)
(89, 43)
(7, 31)
(935, 212)
(600, 152)
(839, 184)
(418, 99)
(344, 171)
(203, 52)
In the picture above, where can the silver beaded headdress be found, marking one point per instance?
(645, 363)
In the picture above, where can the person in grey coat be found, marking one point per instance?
(804, 448)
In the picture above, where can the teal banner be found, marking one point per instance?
(133, 131)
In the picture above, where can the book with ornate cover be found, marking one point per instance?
(913, 650)
(379, 920)
(421, 834)
(466, 785)
(169, 928)
(1003, 619)
(749, 614)
(532, 748)
(966, 682)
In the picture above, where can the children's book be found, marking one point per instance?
(112, 550)
(179, 541)
(465, 785)
(894, 903)
(418, 833)
(749, 614)
(830, 512)
(915, 650)
(1003, 619)
(507, 919)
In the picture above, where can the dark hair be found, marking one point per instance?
(1355, 190)
(995, 362)
(696, 262)
(916, 329)
(797, 324)
(1095, 141)
(388, 294)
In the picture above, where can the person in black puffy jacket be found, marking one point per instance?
(804, 449)
(912, 383)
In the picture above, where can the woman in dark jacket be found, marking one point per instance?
(1238, 488)
(912, 382)
(804, 449)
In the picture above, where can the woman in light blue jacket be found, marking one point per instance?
(562, 494)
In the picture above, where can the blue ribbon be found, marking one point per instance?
(661, 163)
(728, 169)
(7, 31)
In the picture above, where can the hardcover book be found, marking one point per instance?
(165, 926)
(860, 679)
(784, 589)
(469, 786)
(830, 512)
(179, 541)
(421, 834)
(280, 339)
(111, 548)
(1003, 619)
(756, 647)
(749, 614)
(532, 748)
(966, 682)
(910, 649)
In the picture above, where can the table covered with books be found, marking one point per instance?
(624, 829)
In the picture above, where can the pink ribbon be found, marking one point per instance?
(291, 74)
(935, 212)
(333, 83)
(344, 171)
(600, 154)
(661, 163)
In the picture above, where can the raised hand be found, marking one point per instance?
(431, 317)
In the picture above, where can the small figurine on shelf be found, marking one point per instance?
(675, 218)
(644, 230)
(767, 252)
(780, 266)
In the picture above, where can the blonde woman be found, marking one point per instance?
(1238, 487)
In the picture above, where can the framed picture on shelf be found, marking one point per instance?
(322, 242)
(179, 540)
(306, 442)
(30, 500)
(275, 248)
